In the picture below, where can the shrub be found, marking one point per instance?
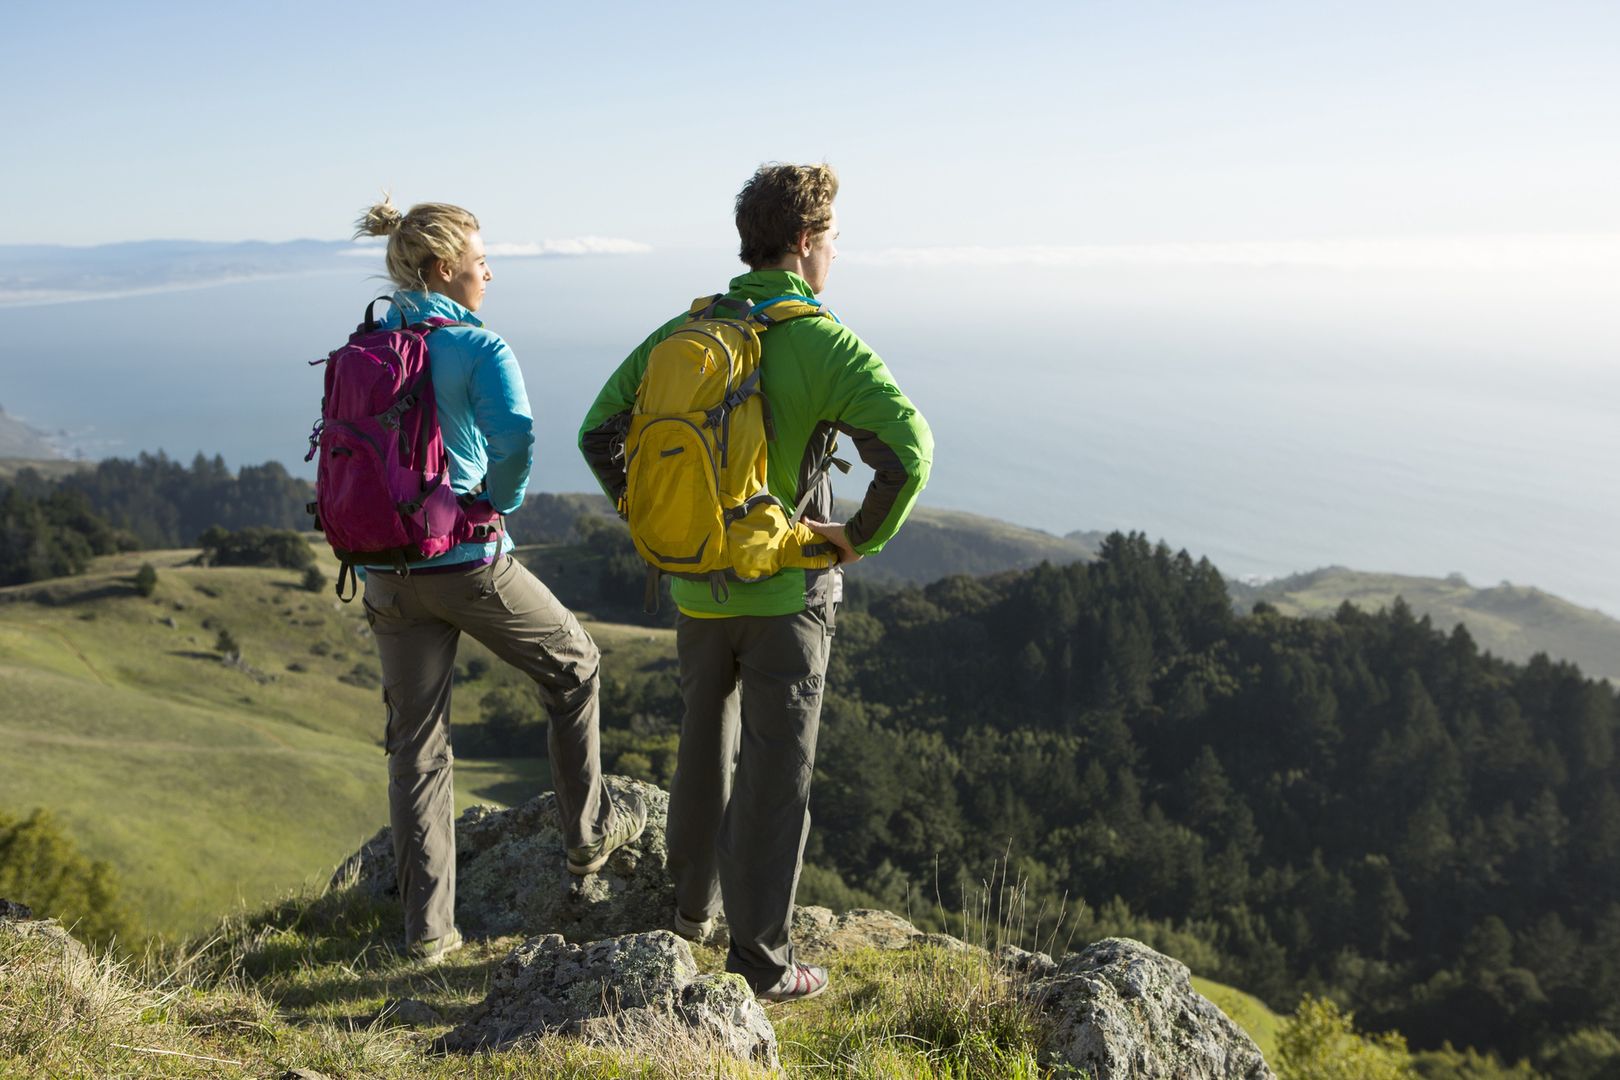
(42, 867)
(227, 644)
(314, 580)
(512, 721)
(146, 580)
(255, 546)
(1319, 1042)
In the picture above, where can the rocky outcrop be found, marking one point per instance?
(511, 877)
(79, 969)
(1118, 1010)
(638, 991)
(1122, 1011)
(818, 930)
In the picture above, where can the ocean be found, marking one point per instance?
(1272, 417)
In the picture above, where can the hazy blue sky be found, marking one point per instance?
(1309, 282)
(952, 124)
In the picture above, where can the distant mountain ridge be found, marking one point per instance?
(52, 273)
(20, 440)
(33, 274)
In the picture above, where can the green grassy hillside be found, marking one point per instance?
(53, 468)
(207, 784)
(1511, 621)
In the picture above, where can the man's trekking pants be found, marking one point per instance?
(752, 687)
(417, 620)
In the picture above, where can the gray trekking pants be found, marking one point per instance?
(417, 620)
(752, 687)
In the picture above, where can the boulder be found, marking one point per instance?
(638, 991)
(818, 930)
(1031, 965)
(511, 875)
(1121, 1011)
(79, 969)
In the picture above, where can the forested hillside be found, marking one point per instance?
(1363, 805)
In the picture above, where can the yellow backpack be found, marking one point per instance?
(695, 454)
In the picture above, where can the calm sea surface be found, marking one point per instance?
(1276, 420)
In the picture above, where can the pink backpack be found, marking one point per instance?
(382, 487)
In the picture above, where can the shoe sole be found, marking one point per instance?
(581, 869)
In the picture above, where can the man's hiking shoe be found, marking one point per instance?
(629, 818)
(693, 929)
(434, 950)
(801, 981)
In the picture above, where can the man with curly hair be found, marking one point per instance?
(752, 663)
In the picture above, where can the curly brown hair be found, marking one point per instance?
(778, 203)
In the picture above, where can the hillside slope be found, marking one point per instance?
(205, 784)
(1512, 621)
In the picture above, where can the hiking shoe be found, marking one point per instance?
(693, 929)
(629, 818)
(434, 950)
(799, 982)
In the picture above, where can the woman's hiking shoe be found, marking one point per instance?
(801, 981)
(434, 950)
(629, 818)
(693, 929)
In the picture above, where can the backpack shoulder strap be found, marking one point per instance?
(709, 307)
(780, 309)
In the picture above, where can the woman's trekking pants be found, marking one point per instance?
(417, 620)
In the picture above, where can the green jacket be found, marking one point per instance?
(821, 380)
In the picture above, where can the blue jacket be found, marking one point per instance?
(483, 411)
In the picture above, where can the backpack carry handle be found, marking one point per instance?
(371, 322)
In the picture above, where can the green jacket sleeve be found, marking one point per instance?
(889, 433)
(601, 436)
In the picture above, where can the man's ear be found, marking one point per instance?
(801, 246)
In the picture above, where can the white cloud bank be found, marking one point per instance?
(1600, 251)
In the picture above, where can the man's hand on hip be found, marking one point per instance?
(834, 535)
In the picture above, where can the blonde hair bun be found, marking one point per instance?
(417, 240)
(383, 219)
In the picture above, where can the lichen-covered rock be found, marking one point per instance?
(817, 929)
(1031, 965)
(638, 991)
(511, 875)
(1122, 1011)
(10, 909)
(722, 1011)
(79, 968)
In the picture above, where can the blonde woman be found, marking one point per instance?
(436, 262)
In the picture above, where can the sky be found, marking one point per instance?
(1057, 124)
(1337, 276)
